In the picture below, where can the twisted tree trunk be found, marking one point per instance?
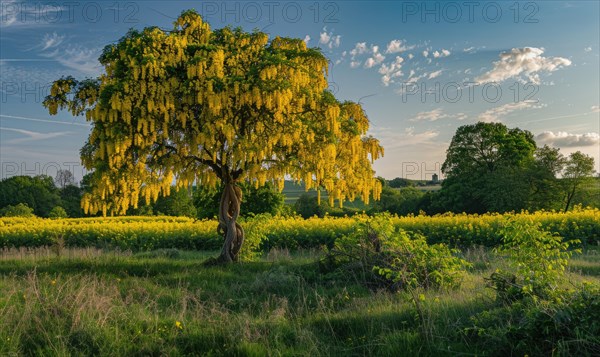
(232, 232)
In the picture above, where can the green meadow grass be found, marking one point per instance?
(160, 303)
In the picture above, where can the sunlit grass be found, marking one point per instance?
(167, 303)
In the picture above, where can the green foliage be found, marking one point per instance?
(536, 258)
(255, 228)
(58, 212)
(265, 199)
(70, 198)
(567, 325)
(178, 203)
(400, 182)
(207, 200)
(547, 191)
(578, 171)
(166, 302)
(37, 192)
(402, 201)
(395, 259)
(308, 206)
(255, 201)
(18, 210)
(483, 162)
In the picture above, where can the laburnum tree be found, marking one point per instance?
(196, 105)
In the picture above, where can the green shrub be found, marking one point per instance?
(537, 259)
(566, 325)
(18, 210)
(57, 212)
(383, 256)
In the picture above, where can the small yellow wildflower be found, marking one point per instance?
(53, 282)
(178, 325)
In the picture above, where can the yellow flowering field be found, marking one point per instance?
(147, 233)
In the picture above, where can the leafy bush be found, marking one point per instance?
(18, 210)
(537, 259)
(566, 325)
(255, 230)
(385, 257)
(57, 212)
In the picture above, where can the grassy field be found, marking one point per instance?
(89, 302)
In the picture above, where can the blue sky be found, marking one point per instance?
(420, 69)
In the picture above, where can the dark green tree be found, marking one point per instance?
(546, 190)
(484, 163)
(58, 212)
(70, 197)
(178, 203)
(399, 182)
(579, 170)
(265, 199)
(402, 201)
(308, 206)
(39, 193)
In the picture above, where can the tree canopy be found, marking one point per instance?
(195, 104)
(483, 163)
(38, 193)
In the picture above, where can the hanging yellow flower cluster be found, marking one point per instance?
(195, 105)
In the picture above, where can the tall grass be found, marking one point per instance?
(167, 303)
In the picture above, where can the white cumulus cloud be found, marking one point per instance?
(396, 46)
(329, 39)
(519, 62)
(391, 70)
(564, 139)
(443, 53)
(375, 60)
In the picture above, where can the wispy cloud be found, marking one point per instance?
(32, 135)
(393, 139)
(564, 139)
(43, 120)
(16, 14)
(435, 74)
(525, 62)
(51, 40)
(74, 57)
(437, 114)
(494, 114)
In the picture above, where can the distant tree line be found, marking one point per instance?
(488, 168)
(491, 168)
(60, 197)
